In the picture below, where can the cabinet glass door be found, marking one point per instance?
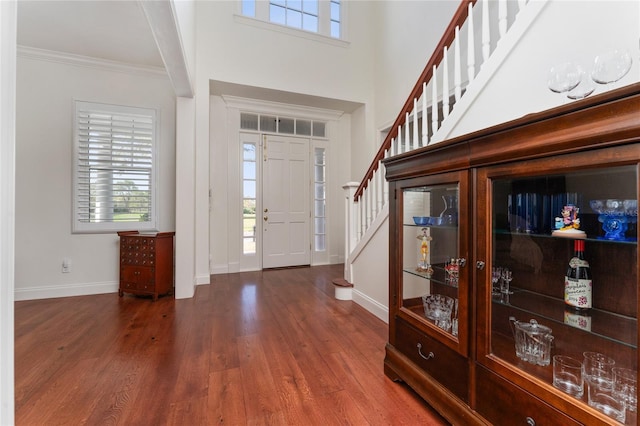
(433, 269)
(535, 215)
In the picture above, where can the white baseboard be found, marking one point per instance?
(203, 279)
(219, 269)
(67, 290)
(373, 306)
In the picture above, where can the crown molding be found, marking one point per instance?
(282, 109)
(89, 62)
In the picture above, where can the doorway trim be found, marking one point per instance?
(234, 106)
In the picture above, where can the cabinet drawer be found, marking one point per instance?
(503, 403)
(436, 359)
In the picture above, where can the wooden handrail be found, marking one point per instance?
(459, 18)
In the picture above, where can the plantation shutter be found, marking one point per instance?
(114, 167)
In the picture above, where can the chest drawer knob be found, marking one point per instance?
(430, 355)
(531, 422)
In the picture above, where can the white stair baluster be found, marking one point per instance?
(521, 5)
(486, 35)
(445, 84)
(416, 140)
(425, 127)
(457, 73)
(400, 145)
(502, 18)
(434, 103)
(471, 47)
(385, 183)
(380, 187)
(407, 133)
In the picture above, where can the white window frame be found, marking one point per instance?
(79, 226)
(262, 19)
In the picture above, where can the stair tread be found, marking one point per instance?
(341, 282)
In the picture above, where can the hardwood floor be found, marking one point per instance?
(257, 348)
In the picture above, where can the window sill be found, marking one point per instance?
(257, 23)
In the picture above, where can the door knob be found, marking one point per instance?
(266, 210)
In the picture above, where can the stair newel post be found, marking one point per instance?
(486, 35)
(351, 219)
(502, 18)
(457, 67)
(434, 103)
(416, 141)
(445, 84)
(471, 47)
(425, 129)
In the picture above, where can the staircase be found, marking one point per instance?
(490, 67)
(463, 61)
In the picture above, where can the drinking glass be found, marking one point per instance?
(625, 385)
(598, 369)
(567, 375)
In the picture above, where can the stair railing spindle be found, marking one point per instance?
(471, 51)
(486, 35)
(445, 84)
(457, 72)
(416, 140)
(425, 128)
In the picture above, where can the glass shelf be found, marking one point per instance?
(594, 239)
(438, 276)
(610, 326)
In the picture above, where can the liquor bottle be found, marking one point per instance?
(577, 282)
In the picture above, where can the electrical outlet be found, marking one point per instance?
(66, 266)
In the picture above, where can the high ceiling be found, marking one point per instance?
(114, 30)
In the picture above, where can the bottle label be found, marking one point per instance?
(576, 262)
(577, 293)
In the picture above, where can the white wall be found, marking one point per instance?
(46, 90)
(407, 34)
(242, 51)
(8, 25)
(563, 31)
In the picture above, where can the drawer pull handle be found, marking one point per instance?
(531, 422)
(431, 355)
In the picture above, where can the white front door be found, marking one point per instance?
(285, 201)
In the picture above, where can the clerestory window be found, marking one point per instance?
(114, 166)
(317, 16)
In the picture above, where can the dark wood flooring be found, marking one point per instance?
(258, 348)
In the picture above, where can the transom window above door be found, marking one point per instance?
(284, 125)
(317, 16)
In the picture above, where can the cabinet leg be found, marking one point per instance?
(120, 293)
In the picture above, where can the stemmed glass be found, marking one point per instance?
(496, 273)
(564, 77)
(584, 88)
(611, 66)
(507, 277)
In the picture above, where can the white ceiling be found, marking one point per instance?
(114, 30)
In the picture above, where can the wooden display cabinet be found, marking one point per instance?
(511, 182)
(146, 263)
